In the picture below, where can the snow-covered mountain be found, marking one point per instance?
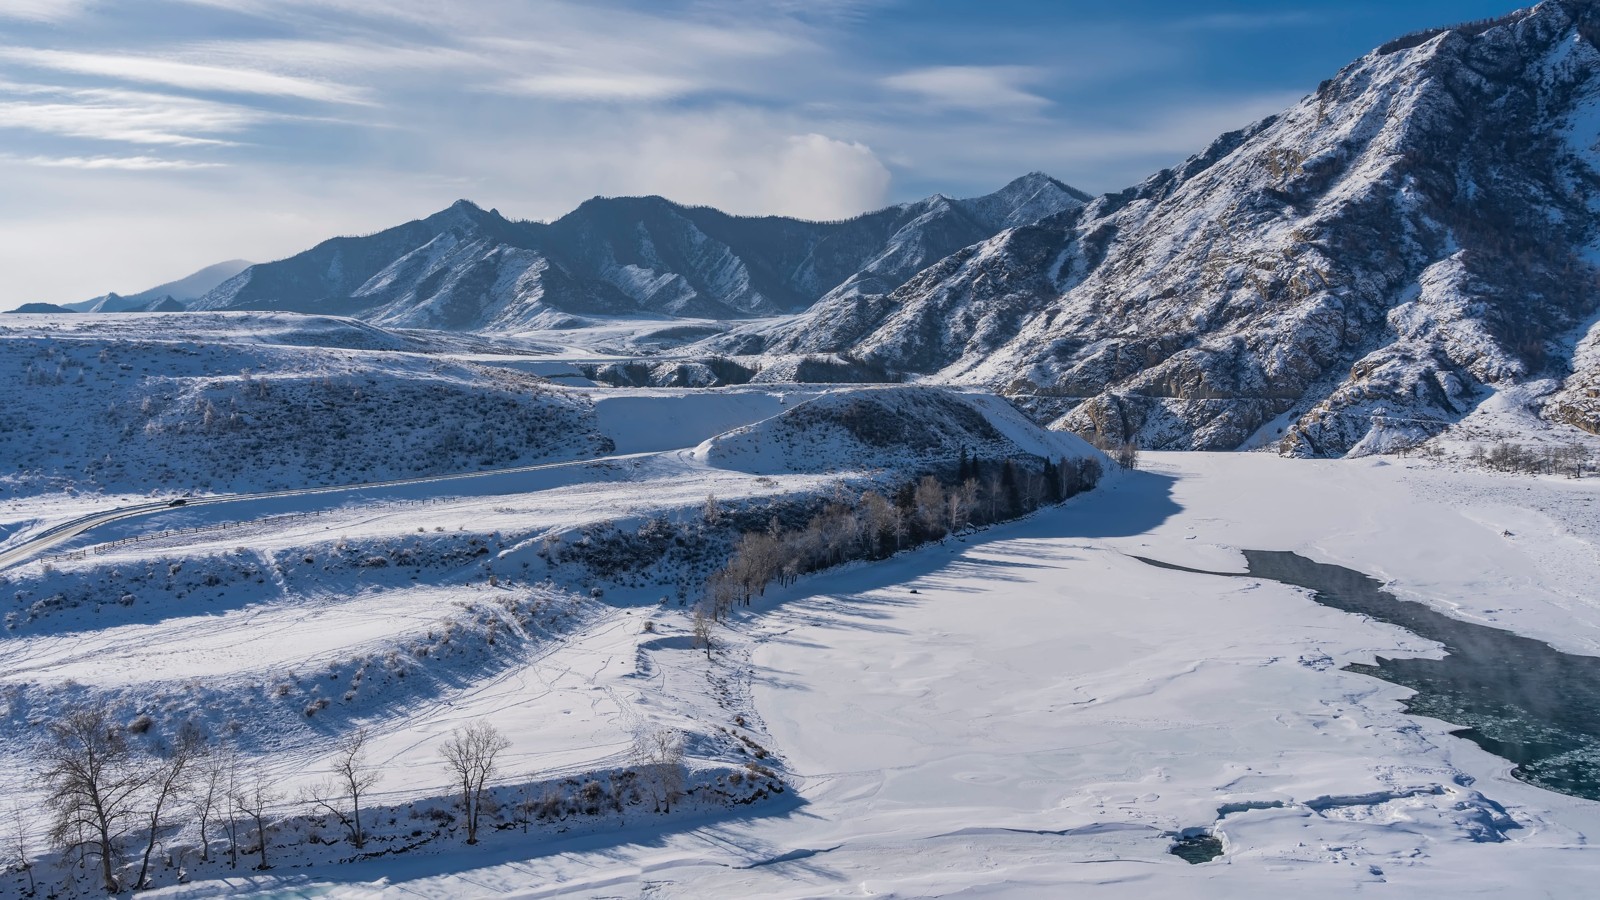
(168, 297)
(1357, 271)
(469, 268)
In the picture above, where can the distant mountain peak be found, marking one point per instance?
(467, 268)
(183, 290)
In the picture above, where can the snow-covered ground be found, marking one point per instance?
(1045, 713)
(1017, 712)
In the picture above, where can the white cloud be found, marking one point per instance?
(129, 116)
(600, 85)
(738, 160)
(44, 10)
(972, 87)
(185, 75)
(817, 177)
(124, 163)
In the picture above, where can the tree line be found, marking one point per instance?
(876, 525)
(111, 802)
(1571, 460)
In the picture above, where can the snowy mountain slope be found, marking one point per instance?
(467, 268)
(179, 291)
(1411, 233)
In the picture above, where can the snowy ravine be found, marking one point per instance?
(1045, 714)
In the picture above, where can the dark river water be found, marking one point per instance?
(1517, 697)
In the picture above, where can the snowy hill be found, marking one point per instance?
(158, 403)
(466, 268)
(904, 428)
(1355, 272)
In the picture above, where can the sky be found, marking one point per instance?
(140, 141)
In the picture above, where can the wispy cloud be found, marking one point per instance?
(972, 87)
(123, 163)
(183, 75)
(129, 116)
(342, 116)
(601, 85)
(44, 10)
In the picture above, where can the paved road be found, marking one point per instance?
(66, 531)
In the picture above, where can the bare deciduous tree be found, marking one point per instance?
(703, 624)
(92, 785)
(959, 505)
(166, 778)
(349, 778)
(659, 756)
(471, 753)
(19, 845)
(723, 590)
(929, 505)
(212, 784)
(884, 524)
(254, 799)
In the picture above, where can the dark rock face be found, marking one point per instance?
(466, 268)
(1363, 266)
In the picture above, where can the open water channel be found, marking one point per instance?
(1516, 697)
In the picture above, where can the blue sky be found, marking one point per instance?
(140, 141)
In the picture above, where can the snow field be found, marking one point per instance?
(1045, 715)
(409, 609)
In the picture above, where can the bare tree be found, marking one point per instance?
(929, 505)
(350, 777)
(703, 624)
(166, 779)
(471, 753)
(211, 787)
(959, 505)
(712, 511)
(20, 836)
(884, 523)
(254, 799)
(659, 756)
(723, 590)
(92, 785)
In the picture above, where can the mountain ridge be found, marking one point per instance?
(1369, 264)
(465, 268)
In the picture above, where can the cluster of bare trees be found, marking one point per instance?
(104, 794)
(112, 803)
(1571, 460)
(877, 525)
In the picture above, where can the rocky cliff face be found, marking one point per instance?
(1354, 273)
(467, 268)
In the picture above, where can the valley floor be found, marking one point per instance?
(1031, 708)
